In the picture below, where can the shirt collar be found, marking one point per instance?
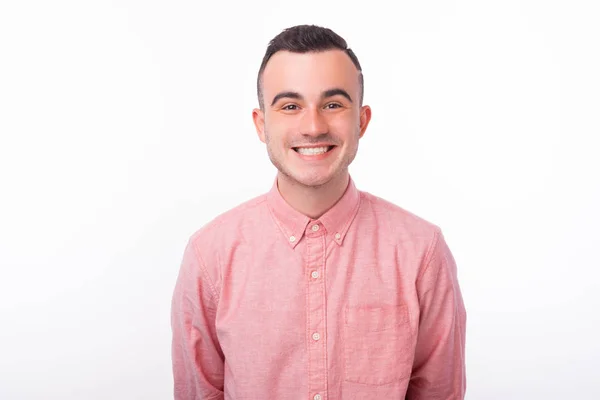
(336, 220)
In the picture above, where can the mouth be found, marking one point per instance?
(313, 151)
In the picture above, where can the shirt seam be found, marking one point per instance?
(201, 264)
(353, 214)
(278, 224)
(430, 254)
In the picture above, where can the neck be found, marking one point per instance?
(312, 201)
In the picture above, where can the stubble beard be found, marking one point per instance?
(280, 165)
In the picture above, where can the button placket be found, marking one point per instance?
(315, 239)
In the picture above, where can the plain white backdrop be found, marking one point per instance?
(126, 125)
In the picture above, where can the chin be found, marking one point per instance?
(316, 180)
(314, 183)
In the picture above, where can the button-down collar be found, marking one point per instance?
(336, 220)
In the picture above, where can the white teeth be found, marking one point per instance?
(311, 151)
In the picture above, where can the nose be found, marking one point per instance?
(313, 123)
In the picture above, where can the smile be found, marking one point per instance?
(313, 151)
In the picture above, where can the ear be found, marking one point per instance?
(365, 117)
(258, 116)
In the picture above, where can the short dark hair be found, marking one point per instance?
(306, 39)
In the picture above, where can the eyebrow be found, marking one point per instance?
(289, 95)
(324, 95)
(335, 92)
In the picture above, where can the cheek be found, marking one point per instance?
(278, 134)
(345, 121)
(284, 130)
(277, 124)
(346, 128)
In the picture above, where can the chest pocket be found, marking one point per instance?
(378, 344)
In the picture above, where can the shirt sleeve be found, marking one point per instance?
(439, 365)
(198, 361)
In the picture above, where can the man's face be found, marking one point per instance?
(312, 120)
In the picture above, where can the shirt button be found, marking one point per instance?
(315, 228)
(316, 336)
(338, 236)
(292, 239)
(315, 274)
(318, 397)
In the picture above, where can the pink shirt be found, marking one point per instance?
(362, 303)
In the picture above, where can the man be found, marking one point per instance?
(316, 290)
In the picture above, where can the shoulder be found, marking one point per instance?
(230, 224)
(210, 246)
(411, 233)
(399, 219)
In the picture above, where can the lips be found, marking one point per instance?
(313, 150)
(315, 154)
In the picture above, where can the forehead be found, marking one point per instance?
(309, 73)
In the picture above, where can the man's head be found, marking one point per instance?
(307, 39)
(310, 91)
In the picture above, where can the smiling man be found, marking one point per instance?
(316, 290)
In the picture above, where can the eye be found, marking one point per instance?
(332, 106)
(290, 107)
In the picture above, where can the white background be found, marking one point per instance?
(126, 125)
